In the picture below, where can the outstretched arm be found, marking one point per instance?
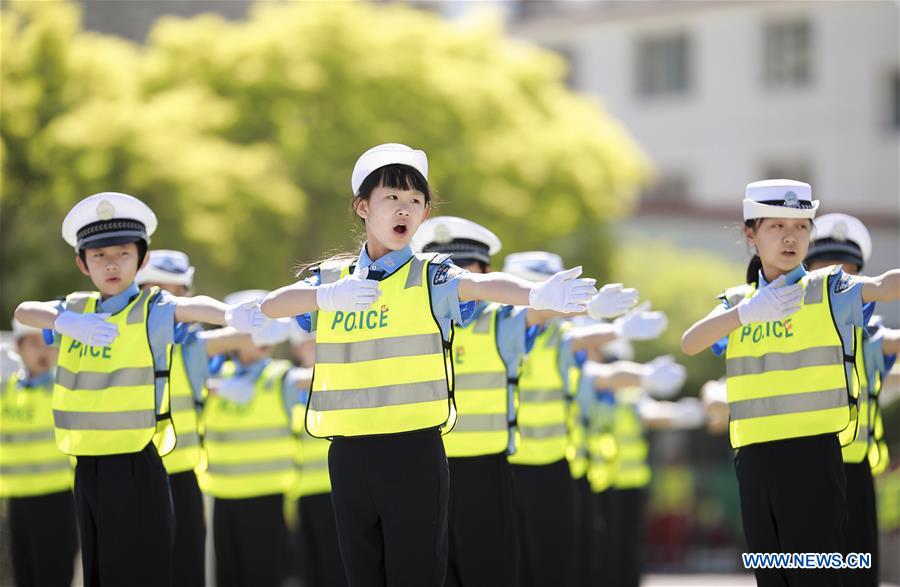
(884, 288)
(497, 287)
(200, 309)
(37, 314)
(718, 323)
(224, 340)
(290, 300)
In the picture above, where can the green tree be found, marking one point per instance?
(242, 136)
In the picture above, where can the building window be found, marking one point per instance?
(663, 65)
(670, 188)
(796, 169)
(788, 53)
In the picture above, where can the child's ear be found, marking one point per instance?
(81, 266)
(362, 208)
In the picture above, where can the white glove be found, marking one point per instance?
(612, 300)
(664, 377)
(245, 317)
(90, 329)
(10, 362)
(350, 294)
(688, 414)
(563, 292)
(775, 302)
(639, 324)
(236, 389)
(272, 332)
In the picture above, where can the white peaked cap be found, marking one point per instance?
(387, 154)
(779, 198)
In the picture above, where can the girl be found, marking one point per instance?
(789, 361)
(382, 385)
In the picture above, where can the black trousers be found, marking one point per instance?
(584, 547)
(483, 526)
(604, 539)
(626, 519)
(188, 565)
(322, 565)
(547, 523)
(390, 498)
(793, 500)
(250, 541)
(43, 539)
(862, 523)
(125, 515)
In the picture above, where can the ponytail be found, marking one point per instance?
(753, 270)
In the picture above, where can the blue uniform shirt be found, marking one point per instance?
(845, 294)
(196, 362)
(443, 279)
(160, 326)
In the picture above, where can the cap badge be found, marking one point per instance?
(841, 231)
(791, 200)
(442, 234)
(105, 210)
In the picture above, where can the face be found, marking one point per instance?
(305, 353)
(112, 269)
(176, 290)
(781, 243)
(249, 354)
(392, 217)
(851, 268)
(37, 356)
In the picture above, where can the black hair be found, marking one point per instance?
(396, 176)
(141, 247)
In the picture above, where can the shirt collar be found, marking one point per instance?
(792, 277)
(254, 370)
(118, 302)
(388, 263)
(44, 380)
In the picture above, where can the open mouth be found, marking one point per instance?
(400, 229)
(112, 279)
(789, 253)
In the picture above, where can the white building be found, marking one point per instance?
(723, 93)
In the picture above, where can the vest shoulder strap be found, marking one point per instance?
(330, 271)
(734, 295)
(77, 301)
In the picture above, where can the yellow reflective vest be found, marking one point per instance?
(484, 405)
(186, 455)
(787, 379)
(544, 395)
(870, 368)
(249, 447)
(310, 457)
(601, 446)
(104, 399)
(30, 462)
(632, 469)
(385, 370)
(577, 452)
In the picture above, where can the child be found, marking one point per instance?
(789, 361)
(110, 400)
(382, 386)
(35, 477)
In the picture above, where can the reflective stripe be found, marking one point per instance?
(188, 440)
(376, 397)
(314, 465)
(248, 435)
(414, 277)
(543, 431)
(182, 403)
(329, 275)
(383, 348)
(77, 302)
(788, 404)
(98, 381)
(814, 290)
(34, 468)
(480, 380)
(812, 357)
(483, 323)
(249, 468)
(540, 396)
(133, 420)
(136, 314)
(480, 423)
(34, 436)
